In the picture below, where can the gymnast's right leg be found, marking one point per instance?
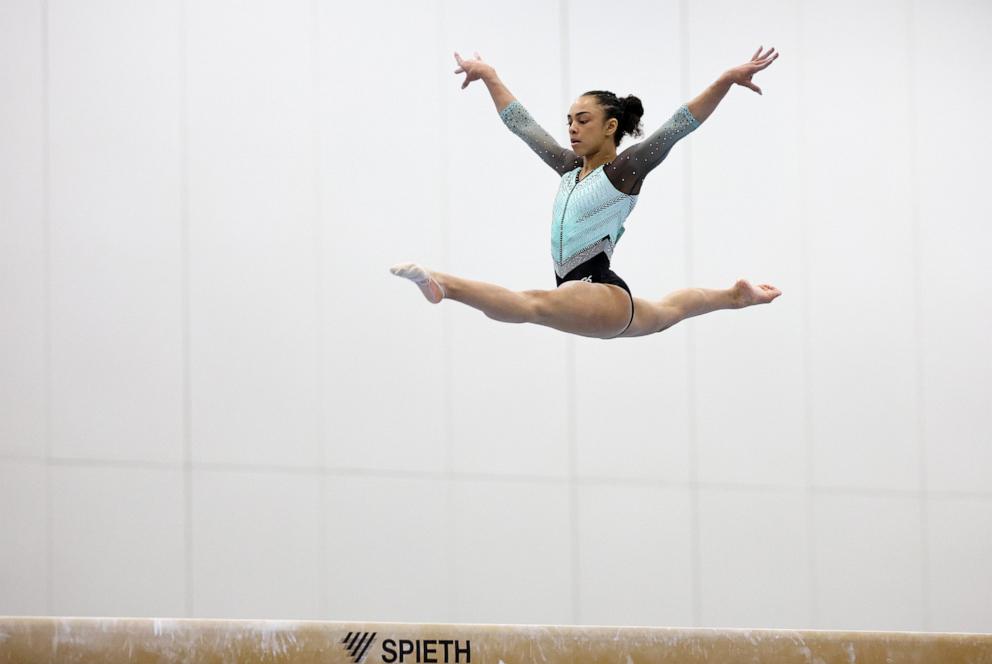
(587, 309)
(497, 302)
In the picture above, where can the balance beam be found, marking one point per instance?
(112, 640)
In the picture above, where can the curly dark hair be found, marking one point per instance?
(627, 110)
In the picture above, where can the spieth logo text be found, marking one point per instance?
(408, 651)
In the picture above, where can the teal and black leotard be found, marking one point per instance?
(588, 214)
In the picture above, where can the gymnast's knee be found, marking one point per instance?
(536, 306)
(529, 307)
(667, 316)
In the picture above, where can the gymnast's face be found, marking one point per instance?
(586, 127)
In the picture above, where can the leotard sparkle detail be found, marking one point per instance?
(588, 214)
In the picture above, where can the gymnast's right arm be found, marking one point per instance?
(516, 117)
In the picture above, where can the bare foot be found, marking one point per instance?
(428, 285)
(743, 294)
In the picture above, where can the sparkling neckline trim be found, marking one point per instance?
(578, 170)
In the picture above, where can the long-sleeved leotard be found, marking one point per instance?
(588, 214)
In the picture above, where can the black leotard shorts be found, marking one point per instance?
(597, 270)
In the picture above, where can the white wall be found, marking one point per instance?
(216, 401)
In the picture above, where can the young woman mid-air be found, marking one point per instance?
(598, 190)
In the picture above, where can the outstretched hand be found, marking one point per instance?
(742, 75)
(473, 69)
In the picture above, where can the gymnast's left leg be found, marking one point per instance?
(651, 317)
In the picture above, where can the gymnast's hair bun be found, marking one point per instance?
(630, 119)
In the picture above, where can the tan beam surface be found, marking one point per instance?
(111, 640)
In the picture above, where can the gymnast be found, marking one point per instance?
(598, 190)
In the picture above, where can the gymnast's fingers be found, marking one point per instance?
(756, 67)
(749, 84)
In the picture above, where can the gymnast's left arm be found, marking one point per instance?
(628, 171)
(702, 106)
